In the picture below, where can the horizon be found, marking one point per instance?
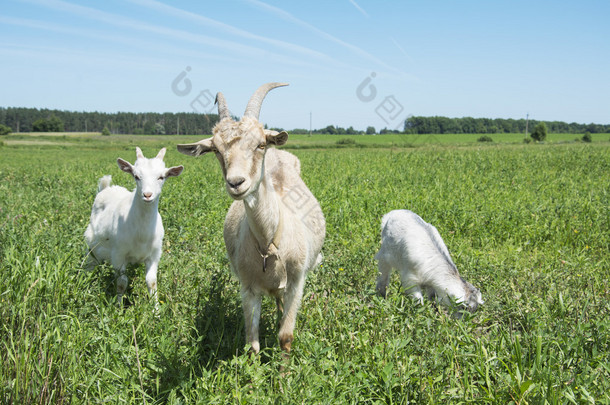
(350, 63)
(313, 129)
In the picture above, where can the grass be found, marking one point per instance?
(316, 141)
(528, 224)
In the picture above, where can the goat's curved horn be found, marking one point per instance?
(223, 110)
(254, 105)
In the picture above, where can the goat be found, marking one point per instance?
(416, 249)
(125, 226)
(274, 229)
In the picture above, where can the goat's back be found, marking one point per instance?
(111, 198)
(405, 236)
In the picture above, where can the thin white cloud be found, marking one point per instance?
(230, 49)
(67, 56)
(154, 46)
(181, 35)
(184, 14)
(395, 42)
(289, 17)
(364, 13)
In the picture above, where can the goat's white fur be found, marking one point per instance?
(269, 195)
(417, 251)
(125, 226)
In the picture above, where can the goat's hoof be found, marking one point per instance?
(286, 343)
(253, 350)
(382, 292)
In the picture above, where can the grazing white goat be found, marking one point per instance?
(125, 226)
(274, 229)
(417, 251)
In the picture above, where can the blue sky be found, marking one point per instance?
(349, 62)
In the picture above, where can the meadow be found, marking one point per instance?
(527, 224)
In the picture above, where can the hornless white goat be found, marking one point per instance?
(275, 228)
(417, 251)
(125, 226)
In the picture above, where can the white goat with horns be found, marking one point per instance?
(125, 226)
(275, 228)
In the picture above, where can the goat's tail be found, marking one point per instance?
(384, 220)
(104, 182)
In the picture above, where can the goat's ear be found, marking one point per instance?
(125, 166)
(174, 171)
(277, 138)
(161, 154)
(197, 148)
(139, 153)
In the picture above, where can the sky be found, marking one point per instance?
(348, 63)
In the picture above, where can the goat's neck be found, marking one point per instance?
(263, 213)
(143, 212)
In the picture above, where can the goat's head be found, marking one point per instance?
(239, 145)
(472, 297)
(150, 174)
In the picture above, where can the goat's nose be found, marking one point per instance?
(147, 194)
(235, 182)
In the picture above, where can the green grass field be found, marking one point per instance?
(527, 224)
(316, 141)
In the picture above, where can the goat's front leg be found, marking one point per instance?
(383, 277)
(251, 304)
(292, 302)
(151, 280)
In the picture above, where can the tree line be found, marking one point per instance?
(469, 125)
(46, 120)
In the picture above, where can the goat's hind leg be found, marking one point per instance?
(411, 286)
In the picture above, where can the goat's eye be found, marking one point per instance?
(262, 146)
(137, 177)
(161, 178)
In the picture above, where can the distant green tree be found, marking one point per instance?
(159, 129)
(540, 132)
(370, 131)
(5, 130)
(55, 124)
(587, 137)
(51, 124)
(149, 128)
(105, 131)
(329, 130)
(40, 125)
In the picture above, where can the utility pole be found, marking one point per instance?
(527, 120)
(178, 126)
(310, 123)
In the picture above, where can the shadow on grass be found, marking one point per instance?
(219, 330)
(217, 334)
(219, 323)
